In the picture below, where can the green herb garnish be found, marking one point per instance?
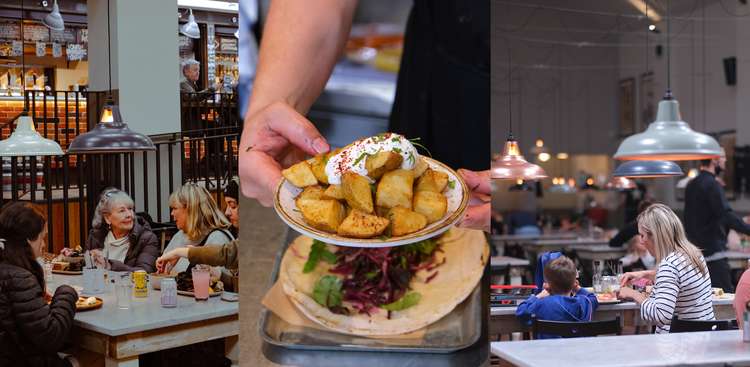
(371, 274)
(414, 142)
(361, 157)
(327, 291)
(451, 184)
(373, 188)
(411, 157)
(397, 150)
(408, 300)
(318, 252)
(426, 247)
(395, 139)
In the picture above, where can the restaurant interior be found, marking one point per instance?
(602, 111)
(91, 108)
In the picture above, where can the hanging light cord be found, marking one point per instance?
(109, 51)
(647, 35)
(23, 54)
(703, 61)
(669, 51)
(510, 97)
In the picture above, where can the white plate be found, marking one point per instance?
(458, 198)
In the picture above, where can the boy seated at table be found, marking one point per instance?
(562, 299)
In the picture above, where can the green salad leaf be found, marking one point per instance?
(327, 291)
(408, 300)
(318, 252)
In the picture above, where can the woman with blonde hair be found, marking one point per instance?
(199, 220)
(682, 286)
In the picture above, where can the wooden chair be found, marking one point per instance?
(686, 326)
(568, 329)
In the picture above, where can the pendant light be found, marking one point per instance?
(647, 169)
(620, 184)
(190, 28)
(511, 165)
(54, 19)
(112, 134)
(25, 140)
(668, 138)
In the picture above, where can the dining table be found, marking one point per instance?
(705, 348)
(121, 335)
(503, 319)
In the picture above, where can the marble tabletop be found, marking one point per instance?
(144, 313)
(698, 348)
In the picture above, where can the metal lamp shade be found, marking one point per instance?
(190, 28)
(54, 20)
(620, 184)
(647, 169)
(512, 166)
(668, 138)
(26, 141)
(111, 135)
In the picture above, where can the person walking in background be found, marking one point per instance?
(707, 219)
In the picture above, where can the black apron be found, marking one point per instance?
(443, 90)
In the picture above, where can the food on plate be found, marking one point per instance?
(383, 291)
(353, 191)
(184, 281)
(83, 301)
(717, 291)
(606, 297)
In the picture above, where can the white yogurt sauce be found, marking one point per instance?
(354, 156)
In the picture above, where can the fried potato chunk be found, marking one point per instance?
(432, 205)
(318, 167)
(395, 189)
(311, 192)
(405, 221)
(359, 224)
(357, 191)
(420, 167)
(382, 162)
(334, 192)
(322, 214)
(432, 180)
(300, 175)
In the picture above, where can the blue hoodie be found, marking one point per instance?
(557, 308)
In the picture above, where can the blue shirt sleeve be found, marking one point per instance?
(526, 309)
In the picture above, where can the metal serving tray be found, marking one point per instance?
(460, 329)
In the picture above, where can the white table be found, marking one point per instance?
(708, 348)
(501, 240)
(503, 319)
(536, 247)
(122, 335)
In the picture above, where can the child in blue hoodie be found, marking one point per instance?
(562, 298)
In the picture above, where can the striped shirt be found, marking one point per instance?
(680, 289)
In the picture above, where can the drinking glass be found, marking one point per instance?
(201, 278)
(123, 290)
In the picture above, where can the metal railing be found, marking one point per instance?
(67, 187)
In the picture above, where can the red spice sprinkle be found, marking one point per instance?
(431, 276)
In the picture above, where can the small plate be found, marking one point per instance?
(458, 199)
(96, 305)
(191, 294)
(607, 302)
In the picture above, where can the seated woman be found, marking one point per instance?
(682, 286)
(232, 212)
(118, 239)
(200, 222)
(32, 332)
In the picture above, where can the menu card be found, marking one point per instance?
(56, 50)
(41, 49)
(75, 52)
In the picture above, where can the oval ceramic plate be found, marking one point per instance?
(457, 195)
(85, 307)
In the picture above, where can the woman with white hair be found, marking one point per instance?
(199, 220)
(682, 285)
(120, 240)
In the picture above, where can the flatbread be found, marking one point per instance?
(466, 252)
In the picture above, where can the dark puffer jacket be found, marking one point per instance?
(142, 252)
(31, 331)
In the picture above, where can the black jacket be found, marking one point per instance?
(708, 215)
(143, 251)
(31, 331)
(624, 235)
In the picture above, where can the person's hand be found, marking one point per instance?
(167, 261)
(542, 294)
(478, 213)
(629, 277)
(627, 293)
(273, 139)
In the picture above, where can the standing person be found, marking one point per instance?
(707, 219)
(191, 71)
(446, 41)
(32, 332)
(682, 285)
